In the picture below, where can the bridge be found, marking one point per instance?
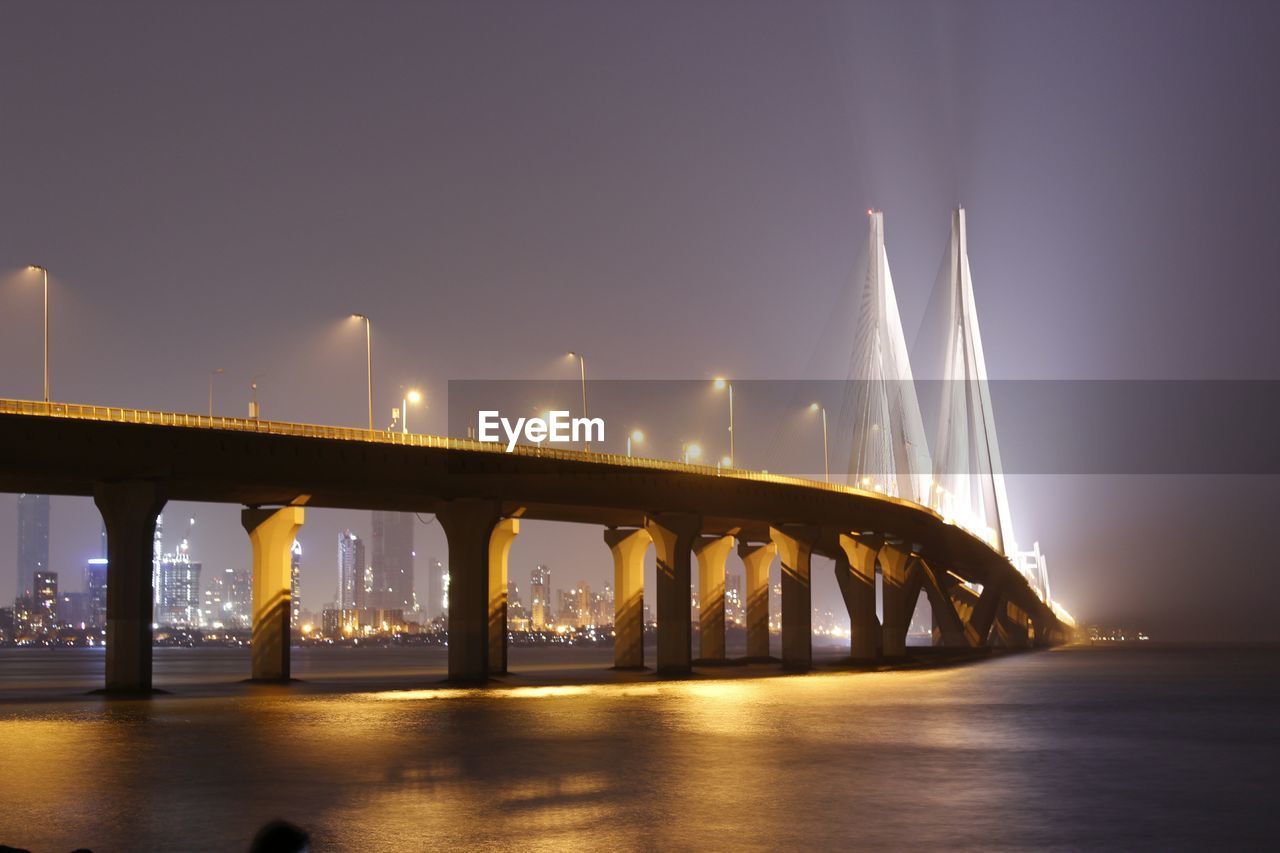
(903, 529)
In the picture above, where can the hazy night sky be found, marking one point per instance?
(675, 189)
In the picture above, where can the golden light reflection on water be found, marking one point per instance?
(685, 763)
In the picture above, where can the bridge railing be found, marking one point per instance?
(116, 414)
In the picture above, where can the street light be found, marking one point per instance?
(413, 396)
(45, 273)
(826, 466)
(582, 367)
(720, 384)
(368, 349)
(692, 451)
(637, 436)
(254, 411)
(212, 373)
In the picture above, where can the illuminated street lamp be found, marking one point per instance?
(254, 411)
(45, 273)
(582, 369)
(692, 452)
(826, 466)
(368, 349)
(637, 436)
(720, 384)
(218, 371)
(413, 396)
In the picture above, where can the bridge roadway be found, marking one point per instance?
(132, 461)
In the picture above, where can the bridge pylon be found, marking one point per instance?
(129, 511)
(272, 532)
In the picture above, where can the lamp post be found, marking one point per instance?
(692, 451)
(582, 368)
(212, 373)
(254, 411)
(412, 396)
(637, 436)
(826, 466)
(720, 384)
(45, 273)
(368, 350)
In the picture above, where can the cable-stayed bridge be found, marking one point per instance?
(908, 522)
(961, 477)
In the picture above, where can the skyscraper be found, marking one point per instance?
(539, 593)
(228, 599)
(33, 540)
(351, 566)
(178, 596)
(392, 561)
(95, 585)
(157, 552)
(434, 605)
(44, 592)
(295, 584)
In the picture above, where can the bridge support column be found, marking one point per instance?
(1011, 624)
(795, 549)
(1044, 624)
(856, 575)
(984, 614)
(756, 560)
(673, 535)
(469, 526)
(629, 548)
(948, 629)
(894, 563)
(271, 532)
(504, 533)
(711, 552)
(129, 512)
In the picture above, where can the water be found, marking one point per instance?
(1120, 748)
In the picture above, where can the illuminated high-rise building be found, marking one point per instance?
(734, 607)
(178, 595)
(295, 584)
(157, 553)
(227, 600)
(44, 595)
(351, 571)
(539, 592)
(582, 605)
(33, 540)
(73, 609)
(434, 605)
(95, 585)
(391, 586)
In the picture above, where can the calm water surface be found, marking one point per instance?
(1076, 748)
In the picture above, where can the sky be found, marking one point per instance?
(677, 190)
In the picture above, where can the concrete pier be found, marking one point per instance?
(856, 576)
(271, 533)
(756, 560)
(795, 550)
(629, 548)
(504, 533)
(711, 551)
(894, 563)
(673, 537)
(948, 630)
(469, 525)
(129, 511)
